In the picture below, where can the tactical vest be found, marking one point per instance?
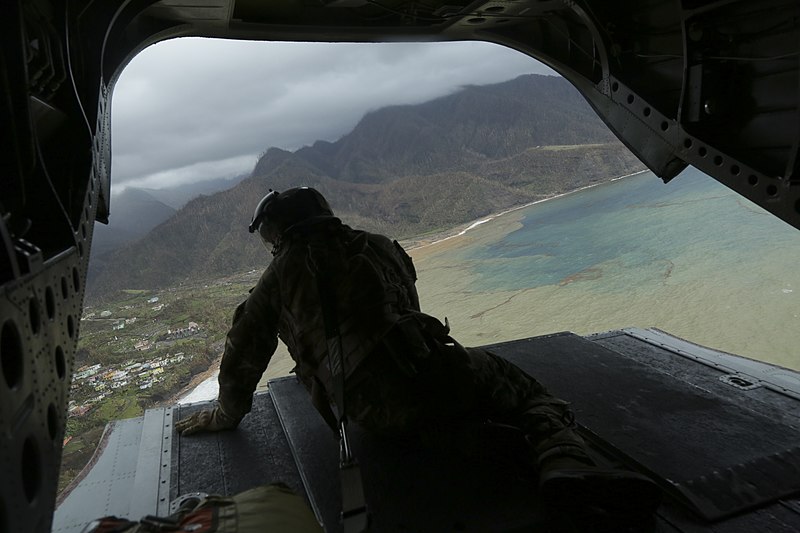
(373, 287)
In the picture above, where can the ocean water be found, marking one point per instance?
(690, 257)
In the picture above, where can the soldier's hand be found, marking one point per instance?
(206, 420)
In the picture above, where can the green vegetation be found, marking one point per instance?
(140, 351)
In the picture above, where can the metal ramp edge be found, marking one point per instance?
(313, 459)
(757, 373)
(150, 494)
(128, 476)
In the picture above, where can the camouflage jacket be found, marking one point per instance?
(371, 296)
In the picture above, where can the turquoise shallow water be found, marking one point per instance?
(691, 257)
(638, 223)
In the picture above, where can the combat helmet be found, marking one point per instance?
(279, 211)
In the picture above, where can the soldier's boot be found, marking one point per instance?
(570, 479)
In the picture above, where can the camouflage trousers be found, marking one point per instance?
(454, 385)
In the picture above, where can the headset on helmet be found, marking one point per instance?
(286, 209)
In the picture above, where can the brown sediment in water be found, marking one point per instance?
(587, 274)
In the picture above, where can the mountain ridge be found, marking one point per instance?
(402, 171)
(136, 211)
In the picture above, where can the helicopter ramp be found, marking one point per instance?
(718, 432)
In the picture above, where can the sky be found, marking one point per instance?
(196, 109)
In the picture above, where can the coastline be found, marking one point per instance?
(415, 243)
(196, 381)
(203, 387)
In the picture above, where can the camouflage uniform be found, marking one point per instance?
(404, 372)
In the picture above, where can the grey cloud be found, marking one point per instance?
(203, 106)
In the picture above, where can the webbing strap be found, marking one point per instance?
(354, 517)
